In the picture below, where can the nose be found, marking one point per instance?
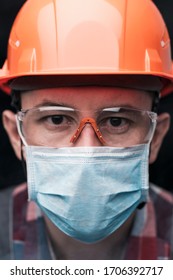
(87, 134)
(88, 137)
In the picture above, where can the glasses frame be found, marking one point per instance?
(20, 115)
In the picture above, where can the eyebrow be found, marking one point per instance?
(120, 105)
(46, 103)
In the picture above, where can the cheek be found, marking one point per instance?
(23, 153)
(32, 137)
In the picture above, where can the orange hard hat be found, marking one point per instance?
(114, 42)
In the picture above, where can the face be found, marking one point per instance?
(87, 101)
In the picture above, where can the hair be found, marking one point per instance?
(16, 100)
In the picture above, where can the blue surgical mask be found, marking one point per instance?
(88, 192)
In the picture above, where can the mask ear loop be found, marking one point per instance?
(83, 122)
(19, 132)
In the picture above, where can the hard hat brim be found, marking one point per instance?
(143, 82)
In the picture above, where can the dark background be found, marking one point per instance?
(11, 172)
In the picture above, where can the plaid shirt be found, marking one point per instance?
(151, 236)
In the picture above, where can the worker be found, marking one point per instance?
(86, 78)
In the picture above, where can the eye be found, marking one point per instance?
(117, 122)
(114, 125)
(56, 119)
(56, 123)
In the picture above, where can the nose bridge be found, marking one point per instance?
(88, 134)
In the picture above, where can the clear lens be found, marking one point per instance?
(54, 126)
(126, 127)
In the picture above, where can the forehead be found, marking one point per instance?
(87, 98)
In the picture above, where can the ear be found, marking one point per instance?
(9, 122)
(162, 127)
